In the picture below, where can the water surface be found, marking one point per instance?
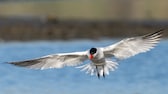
(145, 73)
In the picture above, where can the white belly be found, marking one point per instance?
(98, 62)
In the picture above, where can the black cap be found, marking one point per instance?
(93, 51)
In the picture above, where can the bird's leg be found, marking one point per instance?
(98, 75)
(103, 72)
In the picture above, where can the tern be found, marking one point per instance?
(101, 62)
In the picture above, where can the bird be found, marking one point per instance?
(101, 58)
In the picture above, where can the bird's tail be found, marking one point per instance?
(99, 70)
(110, 66)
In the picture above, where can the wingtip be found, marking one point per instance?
(16, 64)
(11, 63)
(160, 31)
(156, 34)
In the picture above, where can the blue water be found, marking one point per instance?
(145, 73)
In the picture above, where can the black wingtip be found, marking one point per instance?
(159, 32)
(162, 29)
(21, 63)
(11, 63)
(8, 63)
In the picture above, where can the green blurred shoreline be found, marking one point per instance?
(30, 29)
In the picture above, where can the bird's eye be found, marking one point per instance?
(93, 50)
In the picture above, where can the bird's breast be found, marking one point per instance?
(98, 61)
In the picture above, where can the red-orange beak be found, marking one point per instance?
(91, 56)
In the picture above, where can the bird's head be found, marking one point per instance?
(92, 53)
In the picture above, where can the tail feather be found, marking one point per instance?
(110, 66)
(100, 70)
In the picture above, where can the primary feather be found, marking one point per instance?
(132, 46)
(54, 61)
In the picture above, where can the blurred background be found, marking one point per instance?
(34, 28)
(80, 19)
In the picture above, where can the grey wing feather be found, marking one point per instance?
(54, 61)
(132, 46)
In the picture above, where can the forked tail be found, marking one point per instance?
(99, 70)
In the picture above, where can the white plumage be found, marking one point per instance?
(99, 64)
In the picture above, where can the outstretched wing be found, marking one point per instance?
(54, 61)
(132, 46)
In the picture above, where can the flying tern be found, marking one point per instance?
(100, 57)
